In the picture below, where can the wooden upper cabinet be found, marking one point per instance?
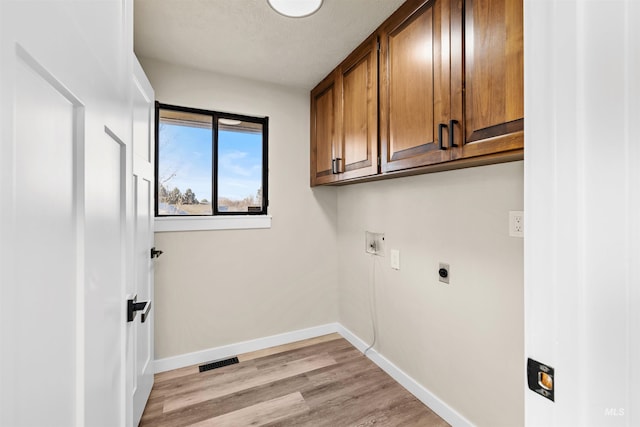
(344, 119)
(358, 151)
(490, 95)
(324, 116)
(445, 90)
(414, 85)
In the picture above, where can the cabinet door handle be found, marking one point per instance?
(440, 145)
(451, 143)
(336, 166)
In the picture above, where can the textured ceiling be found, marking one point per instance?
(246, 38)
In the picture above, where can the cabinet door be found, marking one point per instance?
(324, 123)
(415, 85)
(358, 151)
(490, 94)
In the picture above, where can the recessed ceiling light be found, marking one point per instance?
(229, 122)
(295, 8)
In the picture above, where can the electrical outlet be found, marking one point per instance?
(374, 243)
(516, 223)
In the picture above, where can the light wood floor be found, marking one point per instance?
(320, 382)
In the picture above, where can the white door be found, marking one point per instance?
(140, 334)
(65, 159)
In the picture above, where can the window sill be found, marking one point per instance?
(244, 222)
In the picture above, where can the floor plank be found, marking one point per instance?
(260, 414)
(286, 347)
(314, 383)
(254, 378)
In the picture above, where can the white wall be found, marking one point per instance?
(463, 341)
(582, 197)
(220, 287)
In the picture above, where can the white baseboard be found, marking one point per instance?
(223, 352)
(445, 412)
(424, 395)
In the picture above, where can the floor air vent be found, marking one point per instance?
(218, 364)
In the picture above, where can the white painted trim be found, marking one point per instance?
(225, 351)
(223, 222)
(446, 412)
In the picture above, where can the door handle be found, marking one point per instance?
(451, 143)
(145, 313)
(440, 145)
(155, 253)
(133, 307)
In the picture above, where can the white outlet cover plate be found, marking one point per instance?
(516, 223)
(395, 259)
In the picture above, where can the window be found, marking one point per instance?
(210, 163)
